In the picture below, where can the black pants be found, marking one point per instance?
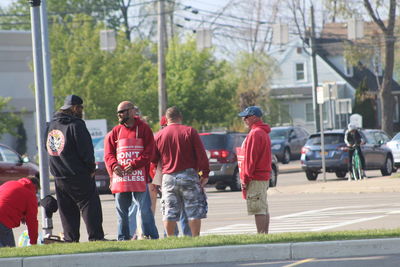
(360, 154)
(76, 195)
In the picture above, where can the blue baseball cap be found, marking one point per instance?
(250, 111)
(71, 100)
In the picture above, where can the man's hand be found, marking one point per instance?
(118, 170)
(243, 186)
(129, 169)
(203, 181)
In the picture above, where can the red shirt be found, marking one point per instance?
(257, 158)
(179, 147)
(18, 201)
(120, 132)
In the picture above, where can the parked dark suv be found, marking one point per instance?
(377, 155)
(221, 151)
(13, 166)
(287, 142)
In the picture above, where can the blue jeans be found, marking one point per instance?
(123, 202)
(6, 236)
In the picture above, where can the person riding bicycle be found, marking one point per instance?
(353, 140)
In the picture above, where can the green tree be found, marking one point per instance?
(8, 119)
(365, 105)
(102, 78)
(253, 72)
(199, 85)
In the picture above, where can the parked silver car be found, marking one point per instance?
(287, 141)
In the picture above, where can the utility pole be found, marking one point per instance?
(314, 72)
(162, 94)
(47, 223)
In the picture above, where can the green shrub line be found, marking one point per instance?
(187, 242)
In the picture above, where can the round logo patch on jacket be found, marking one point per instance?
(55, 142)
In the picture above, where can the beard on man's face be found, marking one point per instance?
(78, 114)
(123, 120)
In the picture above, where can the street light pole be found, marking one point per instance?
(47, 223)
(48, 87)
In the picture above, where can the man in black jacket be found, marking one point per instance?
(72, 164)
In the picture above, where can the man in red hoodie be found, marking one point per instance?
(255, 168)
(18, 203)
(128, 149)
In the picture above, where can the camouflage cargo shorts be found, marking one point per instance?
(182, 190)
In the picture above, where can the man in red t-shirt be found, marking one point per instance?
(18, 203)
(255, 168)
(182, 154)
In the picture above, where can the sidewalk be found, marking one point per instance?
(259, 252)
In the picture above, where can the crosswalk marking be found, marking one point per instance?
(316, 220)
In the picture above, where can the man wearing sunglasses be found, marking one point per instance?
(128, 149)
(254, 159)
(72, 164)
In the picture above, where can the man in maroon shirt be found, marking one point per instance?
(182, 154)
(255, 167)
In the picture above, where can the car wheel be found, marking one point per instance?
(311, 176)
(388, 167)
(220, 187)
(274, 178)
(235, 183)
(286, 156)
(341, 174)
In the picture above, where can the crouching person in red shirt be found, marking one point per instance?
(18, 203)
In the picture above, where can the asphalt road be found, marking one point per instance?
(292, 209)
(370, 261)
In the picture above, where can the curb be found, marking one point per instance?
(258, 252)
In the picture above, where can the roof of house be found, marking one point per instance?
(330, 47)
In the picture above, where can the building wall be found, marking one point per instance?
(16, 81)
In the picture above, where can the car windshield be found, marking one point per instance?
(278, 134)
(396, 137)
(214, 141)
(329, 139)
(99, 151)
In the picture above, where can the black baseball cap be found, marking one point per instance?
(71, 100)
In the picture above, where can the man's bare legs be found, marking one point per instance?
(195, 226)
(262, 223)
(170, 227)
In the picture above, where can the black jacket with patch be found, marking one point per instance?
(69, 146)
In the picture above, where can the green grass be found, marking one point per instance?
(186, 242)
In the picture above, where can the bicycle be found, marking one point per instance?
(356, 171)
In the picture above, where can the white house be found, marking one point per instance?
(292, 86)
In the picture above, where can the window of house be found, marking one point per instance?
(309, 112)
(300, 72)
(299, 50)
(348, 69)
